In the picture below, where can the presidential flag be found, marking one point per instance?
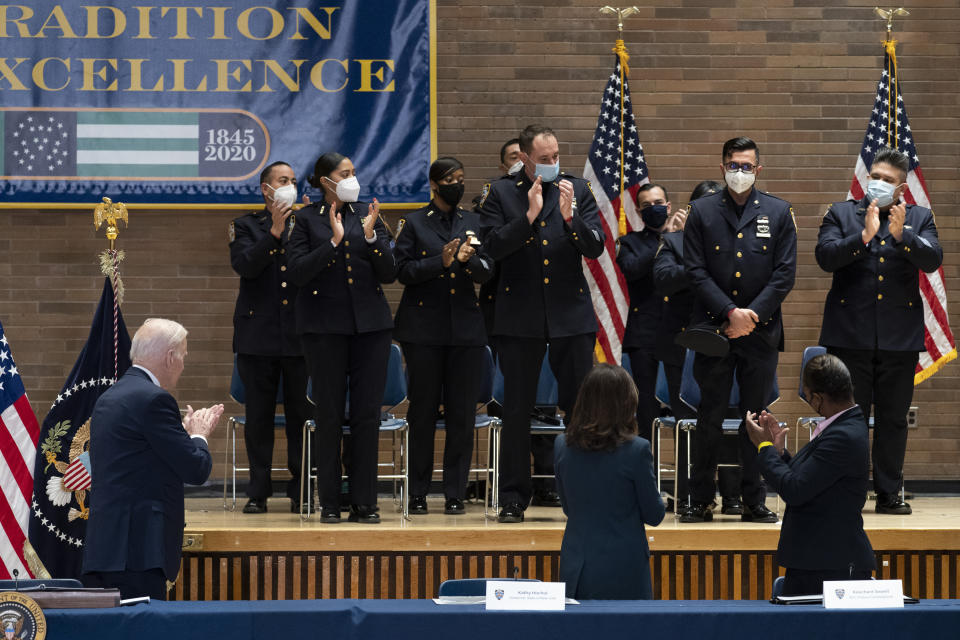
(62, 480)
(18, 444)
(890, 127)
(615, 165)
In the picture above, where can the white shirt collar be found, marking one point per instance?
(153, 378)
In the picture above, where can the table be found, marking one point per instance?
(424, 620)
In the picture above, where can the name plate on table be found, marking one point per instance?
(514, 595)
(862, 594)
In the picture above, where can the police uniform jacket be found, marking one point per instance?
(874, 301)
(263, 320)
(341, 288)
(748, 262)
(671, 283)
(439, 304)
(635, 255)
(542, 292)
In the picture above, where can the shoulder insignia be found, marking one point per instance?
(484, 193)
(231, 232)
(794, 218)
(400, 225)
(590, 186)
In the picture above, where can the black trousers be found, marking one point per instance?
(451, 375)
(805, 582)
(643, 367)
(883, 380)
(755, 374)
(132, 584)
(728, 478)
(571, 358)
(261, 376)
(332, 361)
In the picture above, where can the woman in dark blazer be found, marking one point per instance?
(608, 489)
(440, 326)
(340, 256)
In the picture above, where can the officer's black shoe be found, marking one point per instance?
(255, 505)
(732, 507)
(757, 513)
(892, 505)
(364, 514)
(330, 515)
(454, 507)
(697, 512)
(418, 505)
(511, 513)
(546, 499)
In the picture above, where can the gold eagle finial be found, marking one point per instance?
(109, 212)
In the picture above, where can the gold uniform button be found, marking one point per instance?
(546, 281)
(349, 268)
(666, 298)
(506, 288)
(883, 242)
(909, 304)
(739, 254)
(581, 289)
(735, 292)
(716, 248)
(545, 243)
(764, 247)
(346, 243)
(635, 309)
(490, 297)
(452, 291)
(283, 284)
(285, 301)
(347, 256)
(740, 235)
(314, 292)
(737, 274)
(880, 278)
(421, 303)
(423, 253)
(879, 296)
(881, 259)
(543, 223)
(907, 249)
(453, 275)
(842, 301)
(545, 262)
(251, 310)
(283, 250)
(349, 280)
(283, 267)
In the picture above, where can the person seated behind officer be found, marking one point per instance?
(440, 328)
(824, 484)
(265, 337)
(671, 283)
(538, 226)
(635, 254)
(609, 491)
(873, 317)
(740, 253)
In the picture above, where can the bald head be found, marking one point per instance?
(160, 345)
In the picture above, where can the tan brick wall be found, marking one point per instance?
(796, 75)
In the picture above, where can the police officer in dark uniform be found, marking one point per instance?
(873, 316)
(538, 226)
(635, 253)
(340, 257)
(440, 327)
(740, 252)
(265, 338)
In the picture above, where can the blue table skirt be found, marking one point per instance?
(424, 620)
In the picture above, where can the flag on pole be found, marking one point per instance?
(889, 127)
(616, 165)
(18, 444)
(62, 481)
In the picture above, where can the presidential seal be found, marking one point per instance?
(21, 617)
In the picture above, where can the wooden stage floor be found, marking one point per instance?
(231, 555)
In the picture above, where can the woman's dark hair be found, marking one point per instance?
(705, 188)
(324, 167)
(442, 166)
(605, 415)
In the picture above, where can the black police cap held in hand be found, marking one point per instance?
(708, 339)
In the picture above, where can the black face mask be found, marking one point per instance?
(654, 216)
(451, 193)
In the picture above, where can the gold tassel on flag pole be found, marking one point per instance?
(621, 50)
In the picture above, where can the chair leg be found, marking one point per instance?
(306, 474)
(233, 448)
(226, 461)
(405, 466)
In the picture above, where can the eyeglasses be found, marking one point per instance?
(746, 167)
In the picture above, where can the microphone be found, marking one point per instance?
(16, 579)
(851, 571)
(516, 573)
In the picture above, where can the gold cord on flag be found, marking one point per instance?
(621, 50)
(893, 91)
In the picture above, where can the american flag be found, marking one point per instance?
(18, 442)
(615, 144)
(889, 127)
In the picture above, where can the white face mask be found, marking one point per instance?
(285, 196)
(348, 189)
(517, 166)
(738, 181)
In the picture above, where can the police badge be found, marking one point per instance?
(498, 593)
(763, 227)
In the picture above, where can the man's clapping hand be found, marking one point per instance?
(203, 421)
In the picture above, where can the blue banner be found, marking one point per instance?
(178, 103)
